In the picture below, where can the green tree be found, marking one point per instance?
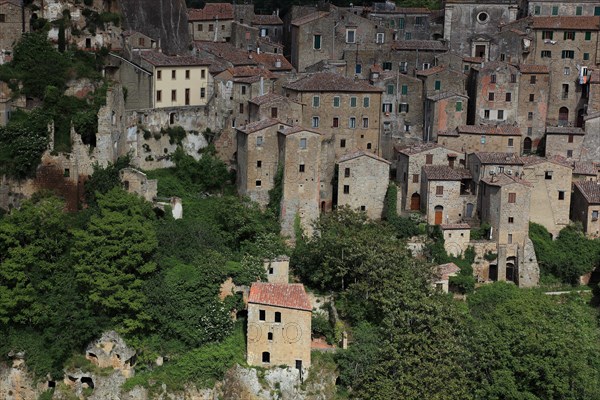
(103, 180)
(114, 255)
(527, 345)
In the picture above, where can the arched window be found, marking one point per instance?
(563, 116)
(527, 144)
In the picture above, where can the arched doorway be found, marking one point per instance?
(415, 202)
(563, 116)
(527, 144)
(493, 272)
(439, 215)
(511, 270)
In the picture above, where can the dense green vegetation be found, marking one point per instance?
(39, 71)
(569, 256)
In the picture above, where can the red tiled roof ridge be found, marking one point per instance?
(211, 11)
(590, 190)
(360, 153)
(330, 82)
(581, 22)
(287, 295)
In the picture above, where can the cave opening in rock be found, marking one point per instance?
(87, 381)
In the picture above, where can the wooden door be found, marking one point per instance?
(415, 202)
(438, 216)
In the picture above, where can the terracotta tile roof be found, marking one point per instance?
(376, 68)
(13, 2)
(418, 148)
(381, 8)
(508, 130)
(498, 158)
(477, 60)
(504, 179)
(250, 71)
(533, 69)
(445, 95)
(454, 226)
(258, 125)
(211, 11)
(585, 168)
(445, 271)
(534, 160)
(574, 23)
(269, 61)
(564, 130)
(268, 98)
(590, 190)
(431, 71)
(361, 153)
(159, 59)
(445, 173)
(271, 19)
(226, 51)
(290, 130)
(309, 18)
(434, 45)
(288, 295)
(330, 82)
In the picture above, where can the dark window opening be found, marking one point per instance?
(277, 316)
(262, 315)
(266, 357)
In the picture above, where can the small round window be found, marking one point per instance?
(483, 17)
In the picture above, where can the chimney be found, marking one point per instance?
(262, 86)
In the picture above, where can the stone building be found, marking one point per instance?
(445, 194)
(585, 171)
(472, 138)
(494, 93)
(567, 46)
(409, 56)
(484, 165)
(443, 112)
(362, 182)
(14, 21)
(564, 141)
(441, 79)
(550, 192)
(211, 23)
(471, 27)
(326, 35)
(279, 326)
(456, 238)
(407, 23)
(505, 206)
(563, 8)
(270, 27)
(442, 275)
(410, 161)
(401, 109)
(137, 182)
(345, 110)
(177, 80)
(272, 105)
(532, 104)
(278, 269)
(585, 206)
(257, 159)
(305, 193)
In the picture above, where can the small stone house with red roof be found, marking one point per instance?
(362, 182)
(473, 138)
(279, 326)
(211, 23)
(442, 275)
(445, 194)
(585, 206)
(410, 160)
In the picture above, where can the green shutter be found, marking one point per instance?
(352, 101)
(588, 36)
(597, 11)
(438, 85)
(317, 42)
(586, 56)
(554, 10)
(404, 89)
(459, 106)
(390, 89)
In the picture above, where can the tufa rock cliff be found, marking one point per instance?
(164, 20)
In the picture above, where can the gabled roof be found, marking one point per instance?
(226, 51)
(309, 18)
(330, 82)
(13, 2)
(258, 125)
(445, 271)
(434, 45)
(270, 19)
(446, 95)
(269, 61)
(498, 158)
(250, 70)
(535, 160)
(445, 173)
(431, 71)
(361, 153)
(590, 190)
(477, 60)
(508, 130)
(268, 98)
(533, 69)
(572, 23)
(503, 179)
(417, 148)
(290, 130)
(287, 295)
(211, 12)
(159, 59)
(585, 168)
(564, 130)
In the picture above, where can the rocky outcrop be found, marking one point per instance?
(110, 351)
(15, 381)
(163, 20)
